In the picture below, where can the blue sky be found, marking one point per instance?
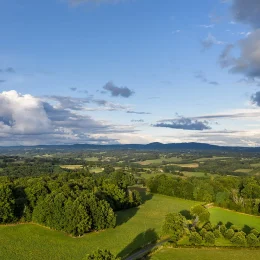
(129, 71)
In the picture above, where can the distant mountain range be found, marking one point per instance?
(151, 146)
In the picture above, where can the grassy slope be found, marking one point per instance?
(33, 242)
(218, 214)
(205, 254)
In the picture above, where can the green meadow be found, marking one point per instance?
(205, 254)
(136, 227)
(238, 219)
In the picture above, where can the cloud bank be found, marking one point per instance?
(27, 120)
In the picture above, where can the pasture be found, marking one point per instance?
(196, 174)
(244, 170)
(161, 160)
(212, 158)
(238, 219)
(71, 167)
(136, 227)
(92, 159)
(188, 165)
(205, 254)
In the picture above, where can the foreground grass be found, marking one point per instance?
(136, 227)
(238, 219)
(205, 254)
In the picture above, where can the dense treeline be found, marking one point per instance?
(75, 201)
(240, 194)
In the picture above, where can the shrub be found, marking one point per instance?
(223, 229)
(217, 233)
(255, 232)
(229, 233)
(208, 226)
(235, 228)
(252, 240)
(195, 238)
(210, 238)
(203, 232)
(238, 239)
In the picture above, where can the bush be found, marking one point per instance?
(255, 232)
(235, 228)
(208, 226)
(252, 240)
(229, 233)
(203, 232)
(217, 233)
(195, 238)
(223, 229)
(210, 238)
(239, 239)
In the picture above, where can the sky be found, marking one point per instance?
(130, 71)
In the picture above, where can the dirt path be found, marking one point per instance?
(144, 251)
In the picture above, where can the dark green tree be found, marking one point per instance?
(252, 240)
(195, 238)
(239, 239)
(210, 238)
(174, 225)
(7, 204)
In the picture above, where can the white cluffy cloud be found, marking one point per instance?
(22, 114)
(27, 120)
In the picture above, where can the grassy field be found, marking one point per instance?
(206, 254)
(161, 160)
(153, 174)
(212, 158)
(92, 159)
(188, 165)
(244, 170)
(136, 227)
(96, 169)
(196, 174)
(255, 165)
(71, 167)
(238, 219)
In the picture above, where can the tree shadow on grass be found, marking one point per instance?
(246, 229)
(139, 241)
(186, 214)
(123, 216)
(228, 225)
(146, 196)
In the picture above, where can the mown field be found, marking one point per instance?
(161, 160)
(205, 254)
(136, 227)
(212, 158)
(238, 219)
(71, 167)
(196, 174)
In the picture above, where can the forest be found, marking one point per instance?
(76, 202)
